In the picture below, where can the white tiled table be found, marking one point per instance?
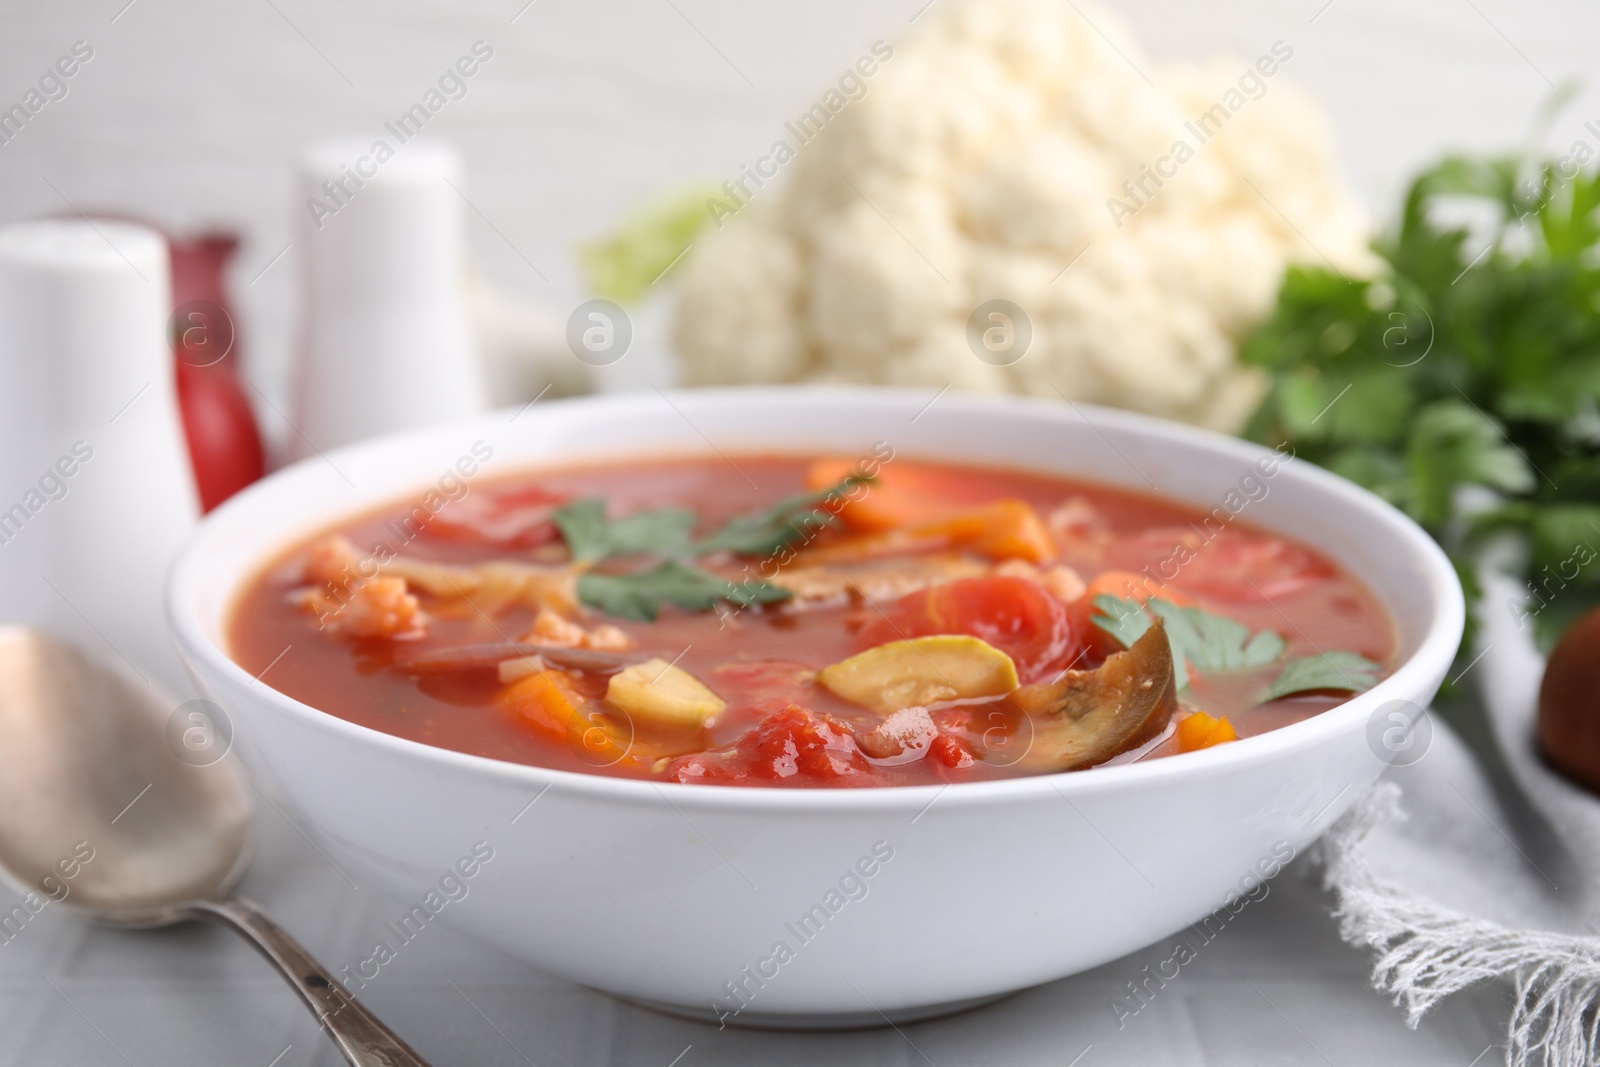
(1275, 987)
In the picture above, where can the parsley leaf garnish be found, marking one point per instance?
(1216, 642)
(1213, 642)
(590, 536)
(1122, 618)
(1328, 670)
(664, 532)
(793, 519)
(639, 595)
(1209, 641)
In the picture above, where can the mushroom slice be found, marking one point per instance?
(465, 659)
(1087, 717)
(888, 578)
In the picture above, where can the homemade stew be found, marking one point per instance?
(810, 621)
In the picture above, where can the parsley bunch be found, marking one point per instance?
(1461, 382)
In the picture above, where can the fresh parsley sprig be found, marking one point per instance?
(1462, 381)
(1335, 670)
(666, 533)
(1215, 642)
(591, 536)
(1209, 642)
(792, 520)
(640, 595)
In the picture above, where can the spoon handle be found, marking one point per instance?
(358, 1033)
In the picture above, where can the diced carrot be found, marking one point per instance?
(1004, 529)
(909, 504)
(1200, 730)
(830, 471)
(596, 740)
(547, 700)
(900, 494)
(1134, 586)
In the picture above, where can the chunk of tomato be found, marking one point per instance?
(901, 493)
(792, 746)
(1019, 617)
(952, 752)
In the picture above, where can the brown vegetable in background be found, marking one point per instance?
(1569, 704)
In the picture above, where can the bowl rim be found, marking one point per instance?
(1419, 671)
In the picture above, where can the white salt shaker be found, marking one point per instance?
(96, 490)
(387, 343)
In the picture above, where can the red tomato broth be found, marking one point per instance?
(754, 658)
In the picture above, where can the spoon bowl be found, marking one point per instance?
(89, 772)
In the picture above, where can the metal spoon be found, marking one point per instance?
(87, 770)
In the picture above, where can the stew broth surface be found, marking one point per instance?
(759, 659)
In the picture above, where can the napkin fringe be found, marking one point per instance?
(1427, 951)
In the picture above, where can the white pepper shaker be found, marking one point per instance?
(96, 490)
(387, 343)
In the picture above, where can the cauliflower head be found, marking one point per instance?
(1014, 150)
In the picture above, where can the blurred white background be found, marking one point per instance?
(190, 114)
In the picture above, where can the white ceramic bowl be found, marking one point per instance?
(682, 895)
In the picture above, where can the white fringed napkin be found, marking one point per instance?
(1479, 863)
